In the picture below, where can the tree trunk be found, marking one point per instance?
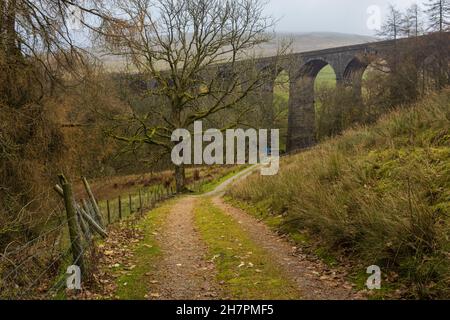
(180, 178)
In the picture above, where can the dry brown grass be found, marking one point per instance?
(107, 188)
(379, 195)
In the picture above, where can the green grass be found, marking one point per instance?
(261, 211)
(359, 278)
(325, 78)
(230, 247)
(145, 256)
(376, 195)
(211, 185)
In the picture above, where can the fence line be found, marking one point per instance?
(88, 222)
(89, 219)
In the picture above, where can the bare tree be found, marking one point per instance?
(391, 28)
(439, 15)
(36, 47)
(196, 58)
(412, 23)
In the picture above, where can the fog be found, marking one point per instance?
(345, 16)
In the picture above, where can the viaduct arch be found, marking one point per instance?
(348, 63)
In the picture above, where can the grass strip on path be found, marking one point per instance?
(245, 269)
(211, 186)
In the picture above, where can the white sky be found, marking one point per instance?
(346, 16)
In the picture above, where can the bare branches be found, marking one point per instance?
(391, 29)
(439, 15)
(36, 46)
(196, 55)
(181, 45)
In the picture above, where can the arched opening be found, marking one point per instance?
(353, 75)
(325, 79)
(281, 89)
(324, 96)
(366, 81)
(305, 103)
(318, 76)
(325, 99)
(374, 89)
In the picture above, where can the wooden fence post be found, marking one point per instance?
(129, 200)
(84, 225)
(120, 208)
(97, 212)
(74, 229)
(95, 226)
(140, 201)
(109, 211)
(89, 210)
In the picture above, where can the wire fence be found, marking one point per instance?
(114, 210)
(36, 269)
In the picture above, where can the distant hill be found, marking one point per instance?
(301, 42)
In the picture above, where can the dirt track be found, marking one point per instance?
(185, 273)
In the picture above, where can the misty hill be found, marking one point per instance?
(301, 42)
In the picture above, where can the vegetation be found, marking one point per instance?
(245, 268)
(180, 45)
(61, 111)
(134, 284)
(439, 14)
(209, 184)
(378, 194)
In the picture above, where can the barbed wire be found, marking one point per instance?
(27, 244)
(63, 255)
(59, 282)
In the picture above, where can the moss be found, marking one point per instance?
(209, 186)
(134, 284)
(376, 194)
(245, 269)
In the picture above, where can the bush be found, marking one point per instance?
(336, 111)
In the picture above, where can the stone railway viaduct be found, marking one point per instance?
(348, 63)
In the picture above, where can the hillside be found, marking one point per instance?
(301, 42)
(377, 195)
(311, 41)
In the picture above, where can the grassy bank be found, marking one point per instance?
(377, 195)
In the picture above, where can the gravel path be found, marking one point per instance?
(184, 273)
(314, 280)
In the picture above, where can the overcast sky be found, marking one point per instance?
(346, 16)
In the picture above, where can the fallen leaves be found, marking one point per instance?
(115, 258)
